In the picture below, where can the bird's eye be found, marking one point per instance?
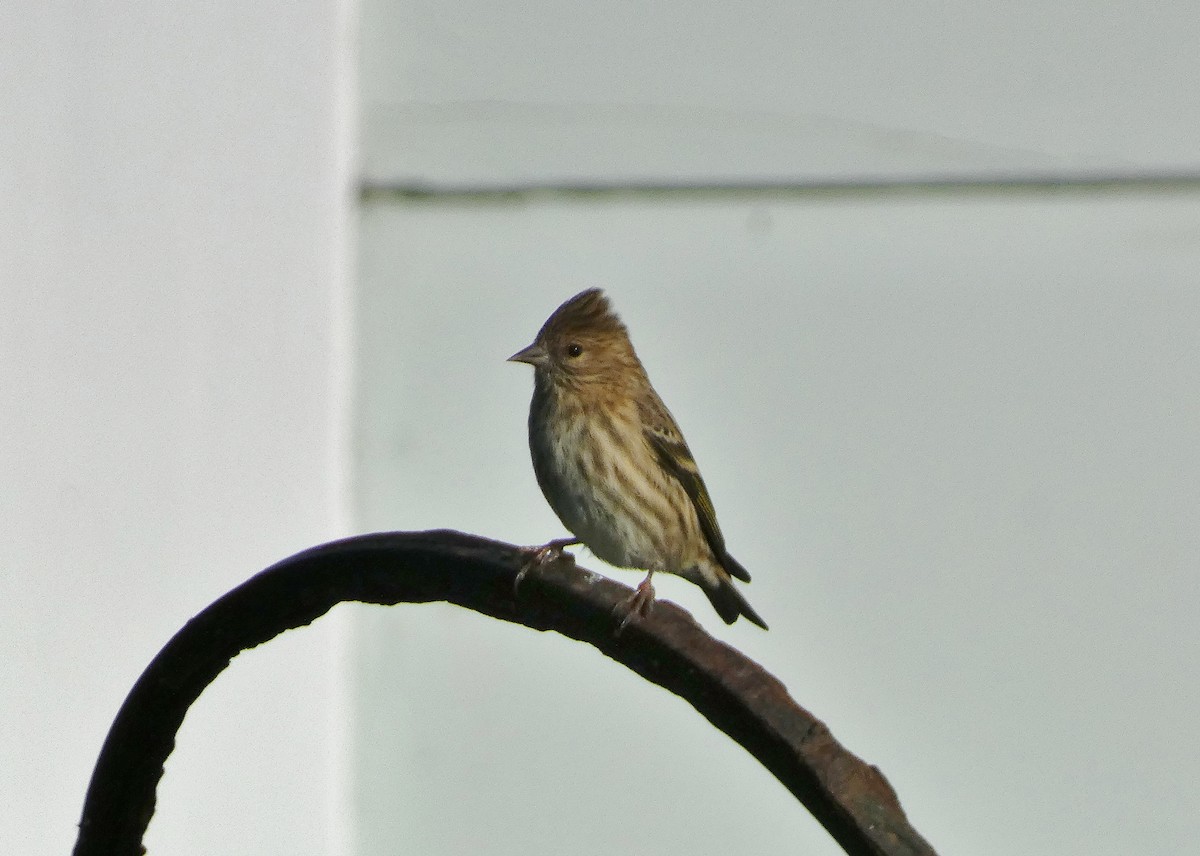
(574, 349)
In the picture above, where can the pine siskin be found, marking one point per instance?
(613, 464)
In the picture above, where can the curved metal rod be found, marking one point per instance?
(850, 798)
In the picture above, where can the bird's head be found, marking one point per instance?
(582, 343)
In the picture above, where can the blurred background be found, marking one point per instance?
(919, 283)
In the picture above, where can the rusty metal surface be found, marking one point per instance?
(850, 798)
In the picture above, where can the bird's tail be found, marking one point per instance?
(729, 602)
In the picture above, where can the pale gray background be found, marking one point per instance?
(953, 436)
(962, 470)
(174, 305)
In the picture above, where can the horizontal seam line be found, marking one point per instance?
(416, 191)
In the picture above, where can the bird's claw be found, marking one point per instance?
(639, 604)
(543, 555)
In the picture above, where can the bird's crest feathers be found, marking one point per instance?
(586, 312)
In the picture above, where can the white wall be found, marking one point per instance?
(952, 435)
(174, 203)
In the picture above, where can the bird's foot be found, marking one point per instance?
(638, 604)
(543, 555)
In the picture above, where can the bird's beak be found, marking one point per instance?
(535, 355)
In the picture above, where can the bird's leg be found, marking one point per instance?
(639, 603)
(550, 552)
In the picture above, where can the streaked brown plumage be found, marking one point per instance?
(613, 464)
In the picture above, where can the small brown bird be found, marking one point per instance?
(613, 464)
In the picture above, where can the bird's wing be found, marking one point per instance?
(676, 458)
